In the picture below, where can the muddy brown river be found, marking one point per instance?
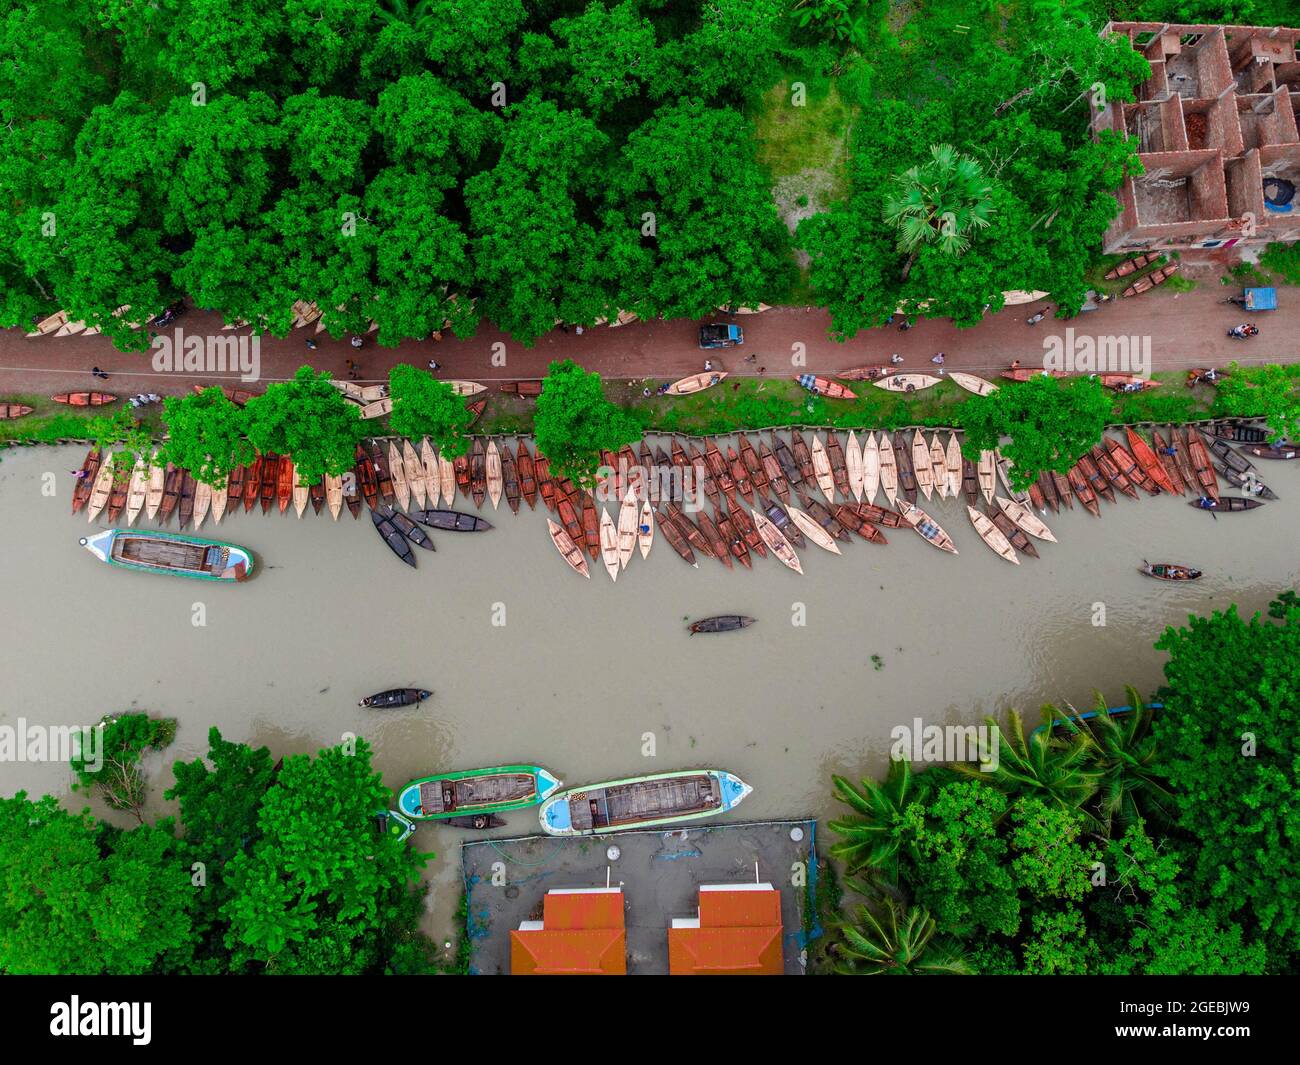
(592, 679)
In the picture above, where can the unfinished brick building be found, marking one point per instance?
(1215, 127)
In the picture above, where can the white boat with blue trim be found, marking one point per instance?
(640, 802)
(163, 552)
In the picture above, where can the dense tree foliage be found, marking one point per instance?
(308, 418)
(425, 406)
(575, 422)
(1262, 391)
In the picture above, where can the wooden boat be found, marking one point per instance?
(952, 462)
(645, 529)
(1004, 466)
(825, 518)
(1234, 460)
(447, 479)
(1201, 466)
(695, 536)
(939, 466)
(397, 543)
(907, 483)
(1047, 488)
(972, 383)
(1169, 571)
(1127, 465)
(700, 470)
(647, 464)
(395, 697)
(527, 474)
(136, 492)
(788, 463)
(478, 472)
(1225, 503)
(1099, 484)
(180, 556)
(510, 478)
(740, 475)
(741, 523)
(352, 495)
(462, 471)
(724, 480)
(813, 530)
(888, 470)
(922, 464)
(609, 544)
(590, 527)
(118, 493)
(1247, 482)
(970, 484)
(850, 517)
(1082, 489)
(839, 468)
(1151, 280)
(1182, 455)
(1026, 519)
(757, 474)
(252, 483)
(480, 822)
(1036, 500)
(824, 386)
(285, 482)
(476, 793)
(476, 408)
(85, 399)
(334, 494)
(1011, 531)
(89, 470)
(736, 542)
(985, 470)
(316, 491)
(890, 519)
(1268, 451)
(171, 492)
(626, 529)
(1241, 434)
(865, 373)
(397, 471)
(822, 468)
(697, 382)
(679, 459)
(202, 501)
(524, 389)
(270, 479)
(10, 411)
(239, 396)
(377, 409)
(907, 382)
(1132, 266)
(992, 535)
(363, 471)
(466, 388)
(926, 527)
(1111, 472)
(451, 520)
(1119, 381)
(775, 475)
(855, 468)
(677, 540)
(568, 515)
(301, 493)
(1028, 373)
(779, 545)
(870, 469)
(803, 457)
(640, 802)
(1168, 463)
(721, 623)
(102, 489)
(1062, 484)
(779, 517)
(415, 475)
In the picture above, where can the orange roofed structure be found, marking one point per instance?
(582, 933)
(737, 933)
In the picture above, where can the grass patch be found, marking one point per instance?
(813, 136)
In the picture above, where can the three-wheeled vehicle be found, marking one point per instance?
(1255, 299)
(721, 335)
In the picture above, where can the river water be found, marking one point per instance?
(530, 663)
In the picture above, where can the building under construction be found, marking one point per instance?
(1215, 128)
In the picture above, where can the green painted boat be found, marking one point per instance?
(150, 551)
(476, 791)
(639, 802)
(392, 823)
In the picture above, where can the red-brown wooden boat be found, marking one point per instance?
(740, 476)
(185, 510)
(478, 472)
(545, 483)
(89, 468)
(1168, 463)
(839, 470)
(171, 493)
(772, 471)
(1111, 472)
(1063, 493)
(85, 399)
(1201, 466)
(849, 517)
(284, 483)
(676, 539)
(252, 483)
(510, 478)
(568, 515)
(890, 519)
(1127, 465)
(1146, 458)
(590, 526)
(803, 457)
(1099, 484)
(527, 475)
(721, 549)
(1082, 489)
(364, 471)
(118, 493)
(1011, 531)
(742, 523)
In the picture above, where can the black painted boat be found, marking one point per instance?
(451, 520)
(1247, 482)
(721, 623)
(1169, 571)
(1283, 450)
(481, 822)
(1225, 503)
(1224, 452)
(779, 517)
(395, 697)
(1241, 434)
(408, 528)
(400, 546)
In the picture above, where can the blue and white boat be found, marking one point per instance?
(640, 802)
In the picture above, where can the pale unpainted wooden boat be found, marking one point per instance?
(397, 472)
(334, 494)
(138, 490)
(565, 546)
(102, 490)
(414, 474)
(972, 383)
(952, 460)
(447, 479)
(495, 482)
(921, 465)
(900, 382)
(888, 469)
(154, 493)
(377, 409)
(926, 527)
(609, 544)
(1026, 519)
(992, 535)
(813, 530)
(626, 529)
(466, 388)
(775, 539)
(985, 470)
(870, 469)
(301, 492)
(695, 383)
(1004, 475)
(202, 501)
(372, 393)
(939, 466)
(645, 532)
(429, 464)
(220, 496)
(856, 466)
(822, 468)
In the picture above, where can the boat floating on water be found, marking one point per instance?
(474, 793)
(640, 802)
(161, 552)
(395, 697)
(1169, 571)
(721, 623)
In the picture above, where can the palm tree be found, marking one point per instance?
(1122, 750)
(900, 944)
(939, 202)
(1055, 771)
(867, 837)
(415, 13)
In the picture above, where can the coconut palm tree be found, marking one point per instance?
(1122, 750)
(939, 203)
(1056, 771)
(901, 942)
(415, 13)
(867, 836)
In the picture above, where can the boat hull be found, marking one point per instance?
(605, 808)
(476, 792)
(161, 552)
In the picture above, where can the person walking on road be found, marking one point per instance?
(95, 371)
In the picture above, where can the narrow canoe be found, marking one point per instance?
(397, 471)
(451, 520)
(13, 410)
(740, 476)
(1247, 482)
(786, 460)
(700, 469)
(721, 623)
(803, 457)
(301, 493)
(527, 474)
(1063, 493)
(389, 533)
(466, 388)
(1268, 451)
(377, 409)
(865, 373)
(1004, 475)
(824, 386)
(570, 551)
(741, 522)
(921, 464)
(1223, 450)
(992, 535)
(1241, 434)
(1047, 489)
(970, 483)
(821, 463)
(695, 383)
(890, 519)
(286, 481)
(907, 484)
(739, 549)
(495, 483)
(626, 529)
(171, 553)
(852, 519)
(220, 497)
(202, 501)
(317, 491)
(1201, 465)
(1099, 484)
(545, 483)
(478, 472)
(985, 471)
(1082, 489)
(135, 495)
(428, 467)
(678, 542)
(590, 526)
(1178, 442)
(640, 802)
(775, 475)
(609, 544)
(1225, 503)
(694, 534)
(404, 525)
(952, 460)
(774, 539)
(720, 548)
(85, 399)
(415, 474)
(813, 530)
(510, 478)
(363, 470)
(1111, 472)
(102, 489)
(854, 466)
(395, 698)
(1026, 519)
(525, 389)
(253, 482)
(334, 494)
(1169, 571)
(1150, 463)
(352, 493)
(870, 469)
(172, 492)
(972, 383)
(645, 529)
(1128, 466)
(926, 527)
(907, 382)
(89, 470)
(757, 473)
(476, 793)
(447, 479)
(568, 515)
(939, 466)
(888, 470)
(839, 468)
(1012, 531)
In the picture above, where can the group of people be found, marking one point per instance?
(144, 399)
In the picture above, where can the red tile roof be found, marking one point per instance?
(582, 934)
(739, 935)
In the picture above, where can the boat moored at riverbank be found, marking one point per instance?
(640, 802)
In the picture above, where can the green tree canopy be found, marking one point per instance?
(575, 422)
(308, 418)
(425, 406)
